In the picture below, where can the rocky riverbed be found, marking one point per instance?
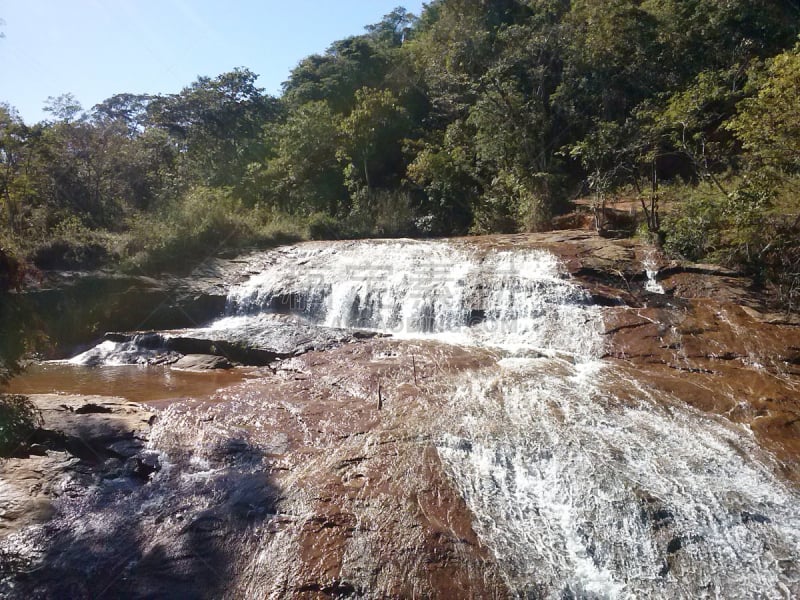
(354, 464)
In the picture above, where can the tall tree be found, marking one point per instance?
(217, 125)
(303, 173)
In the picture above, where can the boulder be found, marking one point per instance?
(202, 362)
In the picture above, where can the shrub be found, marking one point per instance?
(12, 271)
(201, 224)
(69, 244)
(693, 230)
(754, 228)
(392, 213)
(322, 226)
(19, 419)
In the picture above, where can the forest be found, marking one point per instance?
(473, 117)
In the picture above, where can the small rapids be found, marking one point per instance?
(582, 482)
(582, 493)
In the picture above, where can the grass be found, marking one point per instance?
(205, 223)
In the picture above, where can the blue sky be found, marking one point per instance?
(97, 48)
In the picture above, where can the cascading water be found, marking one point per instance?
(583, 494)
(519, 301)
(582, 481)
(651, 270)
(516, 300)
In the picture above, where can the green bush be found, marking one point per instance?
(754, 228)
(203, 223)
(392, 213)
(322, 226)
(19, 419)
(694, 227)
(67, 243)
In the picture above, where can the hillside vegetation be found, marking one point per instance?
(473, 117)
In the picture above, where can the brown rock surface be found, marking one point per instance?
(373, 493)
(201, 362)
(719, 358)
(712, 338)
(341, 495)
(79, 435)
(322, 479)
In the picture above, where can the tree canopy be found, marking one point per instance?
(474, 116)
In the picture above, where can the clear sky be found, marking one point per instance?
(97, 48)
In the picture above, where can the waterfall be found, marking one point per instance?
(516, 300)
(651, 271)
(582, 481)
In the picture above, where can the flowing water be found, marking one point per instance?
(582, 494)
(518, 301)
(582, 481)
(651, 270)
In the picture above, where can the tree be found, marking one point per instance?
(445, 170)
(609, 61)
(216, 125)
(371, 139)
(65, 108)
(768, 123)
(13, 159)
(128, 110)
(303, 173)
(347, 66)
(393, 28)
(698, 35)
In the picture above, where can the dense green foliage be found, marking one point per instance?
(476, 116)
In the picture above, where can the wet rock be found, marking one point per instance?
(113, 467)
(749, 517)
(126, 448)
(143, 465)
(665, 568)
(202, 362)
(113, 336)
(91, 407)
(654, 513)
(158, 348)
(284, 488)
(299, 478)
(730, 363)
(257, 341)
(675, 544)
(81, 439)
(37, 450)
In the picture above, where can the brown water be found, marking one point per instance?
(132, 382)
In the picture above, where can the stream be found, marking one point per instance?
(439, 420)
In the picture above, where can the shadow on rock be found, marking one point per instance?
(169, 524)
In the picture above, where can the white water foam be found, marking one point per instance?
(580, 494)
(582, 482)
(651, 270)
(518, 301)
